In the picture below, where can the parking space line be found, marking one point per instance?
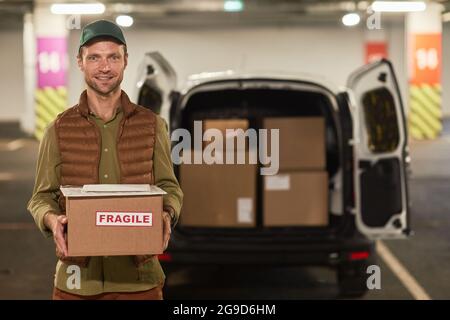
(16, 176)
(13, 145)
(410, 283)
(16, 144)
(6, 176)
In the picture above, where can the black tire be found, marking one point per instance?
(352, 279)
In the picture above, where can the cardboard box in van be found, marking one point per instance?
(302, 142)
(232, 124)
(296, 199)
(108, 220)
(218, 195)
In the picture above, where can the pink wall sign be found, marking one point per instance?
(51, 61)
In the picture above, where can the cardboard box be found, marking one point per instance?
(222, 125)
(302, 142)
(109, 220)
(296, 199)
(218, 195)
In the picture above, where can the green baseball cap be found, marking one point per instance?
(101, 28)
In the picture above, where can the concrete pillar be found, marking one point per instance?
(424, 43)
(27, 121)
(376, 46)
(46, 65)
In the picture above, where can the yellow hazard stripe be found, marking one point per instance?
(40, 128)
(425, 116)
(56, 96)
(421, 110)
(40, 124)
(432, 92)
(62, 91)
(57, 100)
(429, 100)
(43, 114)
(438, 87)
(43, 102)
(415, 132)
(49, 102)
(419, 128)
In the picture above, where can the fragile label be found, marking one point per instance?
(245, 210)
(121, 219)
(278, 182)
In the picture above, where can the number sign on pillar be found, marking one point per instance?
(51, 90)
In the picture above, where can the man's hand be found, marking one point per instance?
(57, 223)
(167, 230)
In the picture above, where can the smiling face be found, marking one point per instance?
(103, 63)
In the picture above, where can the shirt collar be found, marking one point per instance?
(119, 110)
(127, 106)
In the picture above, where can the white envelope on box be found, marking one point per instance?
(95, 190)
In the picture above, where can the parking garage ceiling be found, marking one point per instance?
(175, 13)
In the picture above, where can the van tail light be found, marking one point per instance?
(165, 257)
(359, 255)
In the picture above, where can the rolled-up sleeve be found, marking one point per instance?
(163, 170)
(46, 186)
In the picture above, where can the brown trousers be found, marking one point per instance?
(152, 294)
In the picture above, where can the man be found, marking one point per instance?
(105, 138)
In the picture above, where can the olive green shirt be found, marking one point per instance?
(113, 273)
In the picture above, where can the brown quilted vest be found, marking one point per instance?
(79, 142)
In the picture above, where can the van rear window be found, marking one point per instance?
(381, 120)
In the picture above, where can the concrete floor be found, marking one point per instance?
(27, 259)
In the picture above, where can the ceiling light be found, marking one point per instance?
(233, 5)
(398, 6)
(77, 8)
(351, 19)
(124, 21)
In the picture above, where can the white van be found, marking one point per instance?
(366, 161)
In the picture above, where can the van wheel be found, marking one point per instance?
(352, 279)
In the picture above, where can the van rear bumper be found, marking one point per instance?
(326, 252)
